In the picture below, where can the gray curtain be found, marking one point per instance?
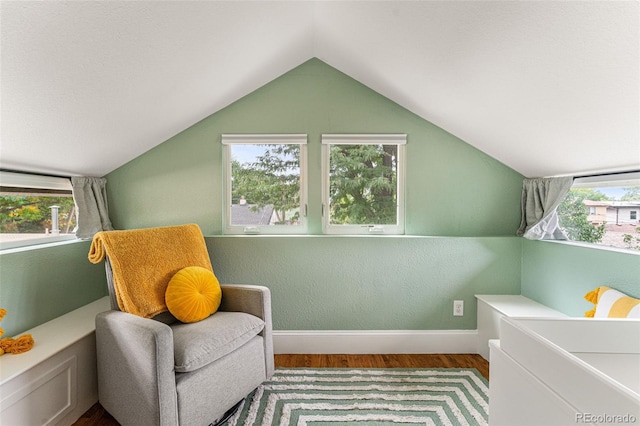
(90, 195)
(540, 199)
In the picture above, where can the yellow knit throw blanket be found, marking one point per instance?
(9, 345)
(144, 260)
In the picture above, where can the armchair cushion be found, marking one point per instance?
(201, 343)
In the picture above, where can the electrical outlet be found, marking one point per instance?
(458, 308)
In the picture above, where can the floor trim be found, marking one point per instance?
(375, 341)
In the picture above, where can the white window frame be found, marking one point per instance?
(604, 180)
(228, 140)
(35, 182)
(613, 179)
(364, 139)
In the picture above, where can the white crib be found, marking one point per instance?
(565, 371)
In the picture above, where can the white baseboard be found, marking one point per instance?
(375, 341)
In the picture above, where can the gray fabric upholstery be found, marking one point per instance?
(112, 292)
(198, 344)
(254, 300)
(195, 389)
(137, 379)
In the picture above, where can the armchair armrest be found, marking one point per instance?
(136, 368)
(254, 300)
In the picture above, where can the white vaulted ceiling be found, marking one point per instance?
(546, 87)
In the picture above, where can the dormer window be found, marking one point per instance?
(602, 210)
(265, 191)
(363, 183)
(35, 209)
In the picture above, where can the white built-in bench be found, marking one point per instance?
(492, 307)
(56, 381)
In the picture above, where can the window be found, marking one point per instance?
(265, 184)
(363, 184)
(603, 210)
(35, 209)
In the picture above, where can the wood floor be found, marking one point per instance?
(97, 416)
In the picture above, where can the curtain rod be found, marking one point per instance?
(606, 174)
(22, 172)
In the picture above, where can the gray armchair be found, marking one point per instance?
(163, 372)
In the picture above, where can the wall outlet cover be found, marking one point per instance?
(458, 308)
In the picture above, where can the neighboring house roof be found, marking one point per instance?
(596, 203)
(631, 203)
(251, 214)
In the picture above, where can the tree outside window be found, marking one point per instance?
(602, 215)
(272, 180)
(265, 188)
(363, 184)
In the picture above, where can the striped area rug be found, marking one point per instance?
(323, 396)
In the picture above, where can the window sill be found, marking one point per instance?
(384, 236)
(319, 236)
(593, 246)
(34, 245)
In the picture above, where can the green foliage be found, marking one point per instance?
(363, 184)
(632, 241)
(22, 214)
(631, 193)
(573, 215)
(588, 194)
(274, 179)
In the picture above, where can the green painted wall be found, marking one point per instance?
(462, 210)
(559, 274)
(452, 188)
(339, 282)
(370, 282)
(40, 284)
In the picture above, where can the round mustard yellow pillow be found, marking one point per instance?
(193, 294)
